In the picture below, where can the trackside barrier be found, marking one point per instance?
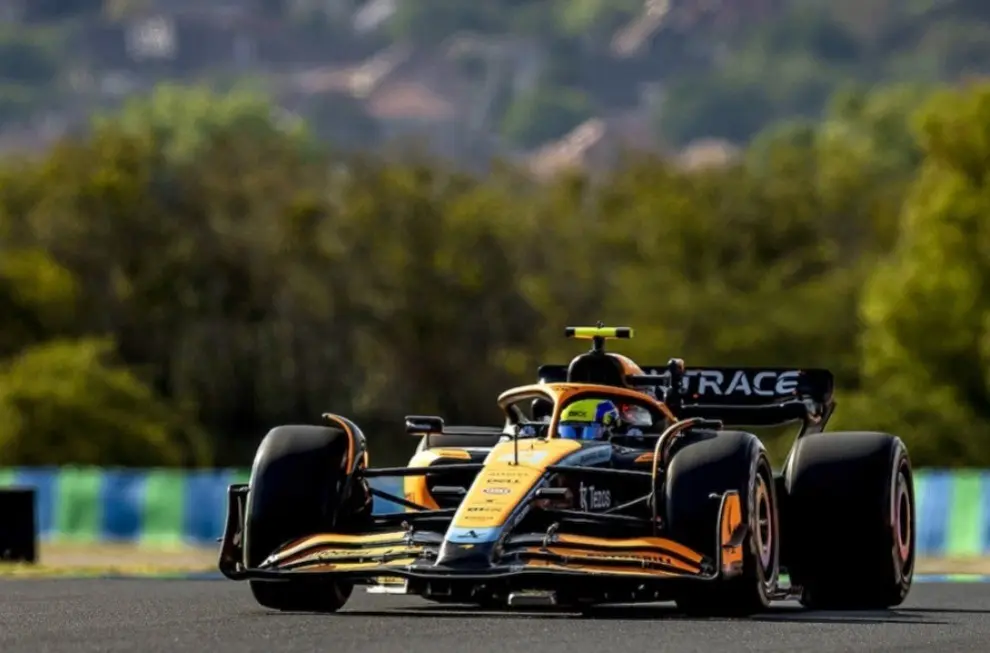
(173, 507)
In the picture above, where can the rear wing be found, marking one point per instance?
(756, 396)
(739, 396)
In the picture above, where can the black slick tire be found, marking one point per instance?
(295, 488)
(850, 520)
(699, 473)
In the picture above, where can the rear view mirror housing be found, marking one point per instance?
(423, 425)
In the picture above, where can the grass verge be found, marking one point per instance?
(94, 571)
(975, 565)
(86, 560)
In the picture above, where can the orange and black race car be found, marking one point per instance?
(605, 484)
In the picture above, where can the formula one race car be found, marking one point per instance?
(606, 484)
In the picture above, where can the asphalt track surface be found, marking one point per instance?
(41, 616)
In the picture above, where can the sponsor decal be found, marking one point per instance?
(504, 475)
(472, 535)
(496, 490)
(742, 382)
(337, 554)
(628, 558)
(592, 498)
(525, 456)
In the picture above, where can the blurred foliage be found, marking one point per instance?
(596, 18)
(192, 266)
(31, 64)
(431, 21)
(46, 11)
(728, 70)
(28, 56)
(37, 299)
(544, 114)
(788, 65)
(18, 103)
(188, 119)
(340, 119)
(926, 311)
(60, 403)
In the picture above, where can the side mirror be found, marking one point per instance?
(420, 424)
(425, 425)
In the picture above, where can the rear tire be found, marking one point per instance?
(728, 460)
(851, 517)
(295, 490)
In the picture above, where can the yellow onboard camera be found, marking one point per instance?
(590, 333)
(598, 335)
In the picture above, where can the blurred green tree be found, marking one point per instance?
(544, 114)
(61, 403)
(927, 311)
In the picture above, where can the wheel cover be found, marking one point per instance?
(764, 530)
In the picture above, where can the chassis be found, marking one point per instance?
(693, 514)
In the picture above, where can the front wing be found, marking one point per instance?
(383, 558)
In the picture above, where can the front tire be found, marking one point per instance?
(851, 509)
(712, 465)
(298, 488)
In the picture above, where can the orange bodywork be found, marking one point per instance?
(511, 469)
(731, 521)
(632, 543)
(501, 482)
(351, 439)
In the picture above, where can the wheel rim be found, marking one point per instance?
(903, 521)
(764, 535)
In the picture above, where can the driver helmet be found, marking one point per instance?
(588, 419)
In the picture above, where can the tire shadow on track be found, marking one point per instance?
(781, 614)
(945, 611)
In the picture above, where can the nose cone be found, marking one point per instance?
(468, 547)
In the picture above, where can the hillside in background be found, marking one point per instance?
(556, 81)
(196, 270)
(219, 227)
